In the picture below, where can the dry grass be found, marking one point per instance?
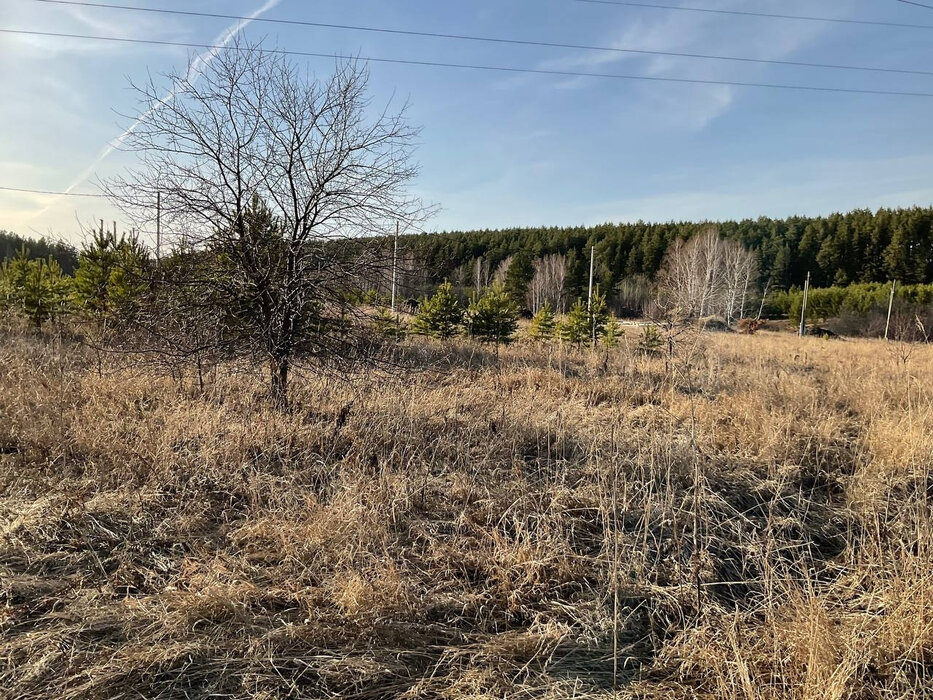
(750, 520)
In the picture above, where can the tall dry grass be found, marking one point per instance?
(747, 519)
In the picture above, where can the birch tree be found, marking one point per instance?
(547, 282)
(707, 275)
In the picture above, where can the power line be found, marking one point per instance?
(501, 69)
(58, 194)
(918, 4)
(484, 39)
(768, 15)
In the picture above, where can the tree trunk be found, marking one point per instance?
(279, 367)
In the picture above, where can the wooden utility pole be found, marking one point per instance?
(394, 265)
(802, 331)
(589, 297)
(159, 226)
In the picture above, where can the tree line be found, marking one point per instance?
(841, 249)
(860, 247)
(11, 245)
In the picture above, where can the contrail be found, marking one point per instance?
(198, 65)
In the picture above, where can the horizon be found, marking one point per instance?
(542, 227)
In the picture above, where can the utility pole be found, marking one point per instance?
(589, 298)
(887, 324)
(159, 225)
(802, 331)
(394, 265)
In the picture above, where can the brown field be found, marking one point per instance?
(748, 520)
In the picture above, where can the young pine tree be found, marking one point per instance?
(585, 325)
(109, 278)
(493, 317)
(612, 333)
(598, 316)
(439, 316)
(35, 288)
(651, 341)
(388, 325)
(575, 328)
(544, 324)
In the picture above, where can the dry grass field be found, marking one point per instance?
(750, 519)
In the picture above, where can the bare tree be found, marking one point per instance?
(633, 294)
(682, 287)
(547, 283)
(706, 275)
(739, 274)
(272, 174)
(502, 269)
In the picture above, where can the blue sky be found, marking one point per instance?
(500, 149)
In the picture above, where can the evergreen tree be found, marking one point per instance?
(388, 325)
(34, 287)
(585, 324)
(439, 316)
(544, 324)
(109, 278)
(518, 276)
(597, 316)
(575, 327)
(613, 333)
(577, 274)
(493, 317)
(651, 341)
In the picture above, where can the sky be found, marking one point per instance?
(508, 149)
